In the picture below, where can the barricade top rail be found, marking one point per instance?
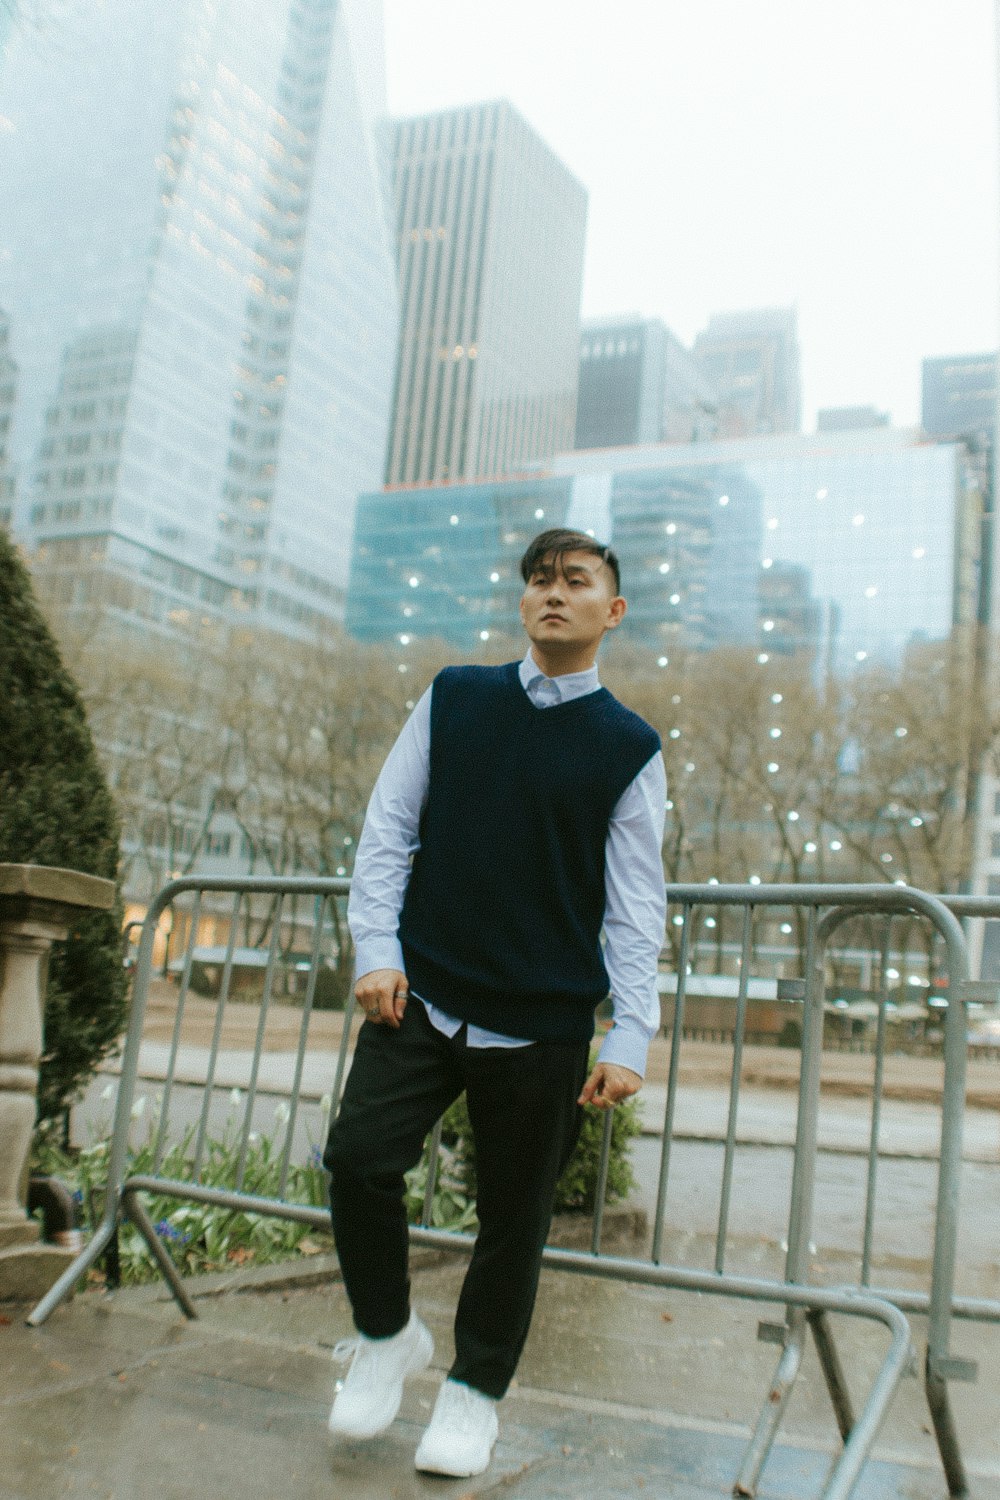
(972, 906)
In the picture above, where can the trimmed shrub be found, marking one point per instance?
(790, 1035)
(332, 987)
(56, 809)
(577, 1189)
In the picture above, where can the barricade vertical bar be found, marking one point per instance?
(601, 1190)
(433, 1156)
(799, 1220)
(175, 1039)
(734, 1090)
(804, 1172)
(946, 1233)
(350, 1005)
(319, 914)
(833, 1371)
(342, 1051)
(877, 1083)
(213, 1055)
(675, 1057)
(265, 1004)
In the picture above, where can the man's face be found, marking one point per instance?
(569, 602)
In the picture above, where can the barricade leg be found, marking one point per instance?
(833, 1372)
(77, 1268)
(936, 1387)
(134, 1209)
(773, 1410)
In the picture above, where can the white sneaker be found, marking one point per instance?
(462, 1431)
(370, 1396)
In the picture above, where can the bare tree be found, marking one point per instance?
(167, 755)
(920, 737)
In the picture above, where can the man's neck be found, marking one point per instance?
(562, 663)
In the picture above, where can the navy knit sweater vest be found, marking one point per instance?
(502, 918)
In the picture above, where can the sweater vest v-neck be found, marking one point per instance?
(502, 918)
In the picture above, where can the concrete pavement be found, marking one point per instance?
(623, 1392)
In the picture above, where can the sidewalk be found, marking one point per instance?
(624, 1392)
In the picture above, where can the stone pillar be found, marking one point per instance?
(38, 905)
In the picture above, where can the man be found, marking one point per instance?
(518, 815)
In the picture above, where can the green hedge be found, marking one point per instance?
(56, 809)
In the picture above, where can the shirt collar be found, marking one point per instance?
(568, 685)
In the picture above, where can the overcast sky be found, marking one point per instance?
(836, 154)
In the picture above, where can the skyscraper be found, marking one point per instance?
(196, 264)
(622, 368)
(638, 384)
(490, 228)
(959, 396)
(752, 360)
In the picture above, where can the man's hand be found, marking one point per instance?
(608, 1084)
(382, 996)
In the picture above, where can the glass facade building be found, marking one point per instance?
(196, 264)
(441, 562)
(875, 536)
(849, 546)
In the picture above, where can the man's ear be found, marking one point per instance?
(616, 612)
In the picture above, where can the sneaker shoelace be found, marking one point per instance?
(465, 1408)
(359, 1352)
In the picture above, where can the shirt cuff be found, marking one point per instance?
(626, 1046)
(378, 953)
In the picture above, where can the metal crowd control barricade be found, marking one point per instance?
(829, 907)
(277, 911)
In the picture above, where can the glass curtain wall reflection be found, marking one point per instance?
(199, 185)
(849, 546)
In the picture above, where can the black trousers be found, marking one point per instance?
(525, 1119)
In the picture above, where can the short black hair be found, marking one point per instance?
(552, 545)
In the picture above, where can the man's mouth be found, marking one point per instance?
(552, 616)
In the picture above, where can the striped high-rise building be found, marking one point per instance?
(490, 232)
